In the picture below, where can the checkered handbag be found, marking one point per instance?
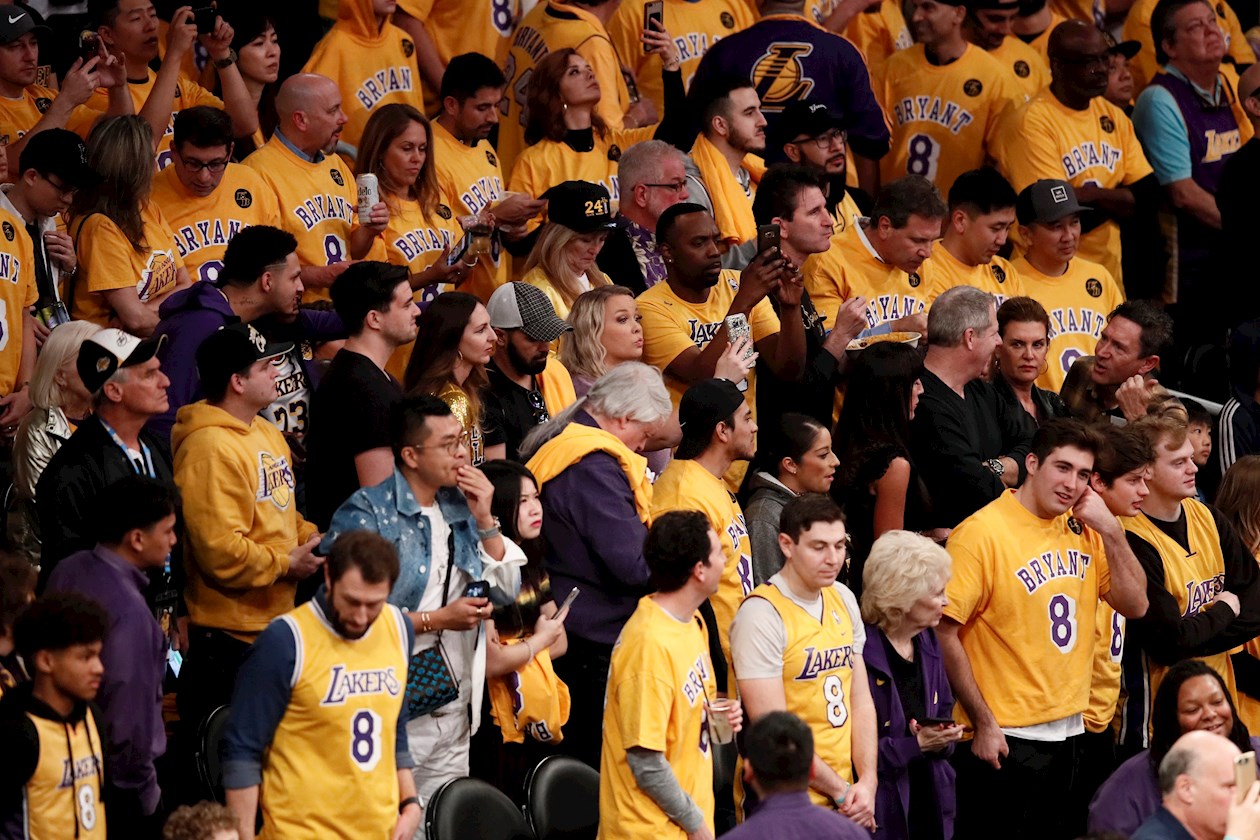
(431, 682)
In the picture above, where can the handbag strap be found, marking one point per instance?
(450, 562)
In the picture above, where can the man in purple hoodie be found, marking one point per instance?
(260, 284)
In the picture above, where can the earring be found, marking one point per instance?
(459, 355)
(1044, 367)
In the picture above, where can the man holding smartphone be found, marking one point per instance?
(435, 509)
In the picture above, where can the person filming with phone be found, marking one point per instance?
(436, 510)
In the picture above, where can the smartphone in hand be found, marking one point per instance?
(653, 11)
(477, 589)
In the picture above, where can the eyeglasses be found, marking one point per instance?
(825, 140)
(215, 166)
(60, 187)
(673, 186)
(452, 447)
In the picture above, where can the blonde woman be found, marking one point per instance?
(562, 264)
(903, 599)
(607, 330)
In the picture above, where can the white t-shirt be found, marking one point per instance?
(759, 637)
(458, 644)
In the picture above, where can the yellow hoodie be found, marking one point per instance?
(241, 518)
(372, 65)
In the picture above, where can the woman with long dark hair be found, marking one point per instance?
(877, 485)
(1192, 696)
(258, 59)
(454, 345)
(1238, 498)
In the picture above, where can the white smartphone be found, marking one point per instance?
(569, 599)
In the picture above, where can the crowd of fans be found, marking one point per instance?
(822, 418)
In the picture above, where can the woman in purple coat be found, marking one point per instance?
(1191, 696)
(903, 595)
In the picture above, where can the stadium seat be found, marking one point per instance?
(470, 809)
(562, 799)
(209, 741)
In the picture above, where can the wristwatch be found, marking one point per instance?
(491, 532)
(228, 61)
(410, 800)
(995, 466)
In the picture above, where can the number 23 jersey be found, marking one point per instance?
(1026, 591)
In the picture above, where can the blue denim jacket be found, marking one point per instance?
(391, 510)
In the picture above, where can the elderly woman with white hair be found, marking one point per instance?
(597, 491)
(903, 598)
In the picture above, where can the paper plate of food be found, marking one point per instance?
(911, 338)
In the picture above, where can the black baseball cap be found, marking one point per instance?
(1047, 200)
(1128, 49)
(102, 354)
(524, 307)
(59, 152)
(16, 22)
(231, 350)
(581, 206)
(705, 404)
(806, 116)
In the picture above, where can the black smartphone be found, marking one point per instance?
(937, 721)
(767, 237)
(477, 589)
(89, 45)
(653, 11)
(205, 19)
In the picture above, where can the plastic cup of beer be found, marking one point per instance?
(719, 715)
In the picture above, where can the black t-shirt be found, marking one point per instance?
(349, 416)
(924, 810)
(511, 409)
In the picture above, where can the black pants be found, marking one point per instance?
(584, 669)
(1034, 791)
(206, 681)
(126, 820)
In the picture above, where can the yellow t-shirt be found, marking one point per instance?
(204, 226)
(188, 94)
(1029, 71)
(695, 27)
(18, 116)
(849, 269)
(878, 33)
(1046, 139)
(842, 220)
(658, 680)
(470, 180)
(944, 118)
(1104, 686)
(18, 293)
(1026, 591)
(338, 731)
(1137, 27)
(318, 201)
(536, 276)
(551, 26)
(1248, 706)
(686, 485)
(943, 271)
(458, 27)
(370, 72)
(1090, 11)
(70, 756)
(1078, 303)
(1042, 42)
(107, 261)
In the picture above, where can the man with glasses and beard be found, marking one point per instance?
(331, 672)
(526, 386)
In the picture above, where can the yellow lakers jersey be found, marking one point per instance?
(686, 485)
(330, 770)
(107, 261)
(944, 118)
(188, 94)
(18, 293)
(1026, 591)
(531, 700)
(851, 268)
(878, 33)
(319, 203)
(62, 799)
(1046, 139)
(470, 181)
(550, 26)
(1030, 73)
(1193, 580)
(1104, 686)
(658, 680)
(818, 675)
(204, 226)
(943, 271)
(695, 28)
(1078, 303)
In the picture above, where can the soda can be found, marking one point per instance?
(369, 195)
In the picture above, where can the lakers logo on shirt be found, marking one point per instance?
(1093, 287)
(973, 87)
(337, 179)
(158, 276)
(1200, 593)
(820, 661)
(728, 20)
(343, 684)
(1022, 69)
(243, 198)
(1106, 123)
(779, 75)
(1221, 145)
(275, 480)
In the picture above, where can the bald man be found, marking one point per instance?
(1235, 198)
(1196, 779)
(315, 187)
(1070, 132)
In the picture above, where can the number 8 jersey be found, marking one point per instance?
(1026, 591)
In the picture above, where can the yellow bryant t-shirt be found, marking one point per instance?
(470, 181)
(1026, 591)
(879, 33)
(849, 269)
(458, 27)
(658, 680)
(686, 485)
(1029, 72)
(18, 116)
(1104, 686)
(943, 271)
(1078, 303)
(107, 261)
(188, 94)
(18, 293)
